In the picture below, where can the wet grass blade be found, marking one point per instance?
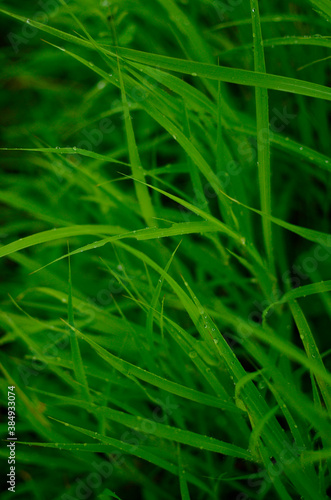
(263, 134)
(75, 350)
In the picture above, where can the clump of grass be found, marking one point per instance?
(166, 249)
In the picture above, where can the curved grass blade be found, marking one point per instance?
(129, 370)
(237, 76)
(311, 349)
(108, 444)
(56, 234)
(301, 291)
(164, 431)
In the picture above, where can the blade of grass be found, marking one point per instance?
(75, 350)
(263, 134)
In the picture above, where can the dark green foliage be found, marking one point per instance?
(165, 248)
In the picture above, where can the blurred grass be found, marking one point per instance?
(179, 347)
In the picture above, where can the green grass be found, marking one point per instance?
(165, 249)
